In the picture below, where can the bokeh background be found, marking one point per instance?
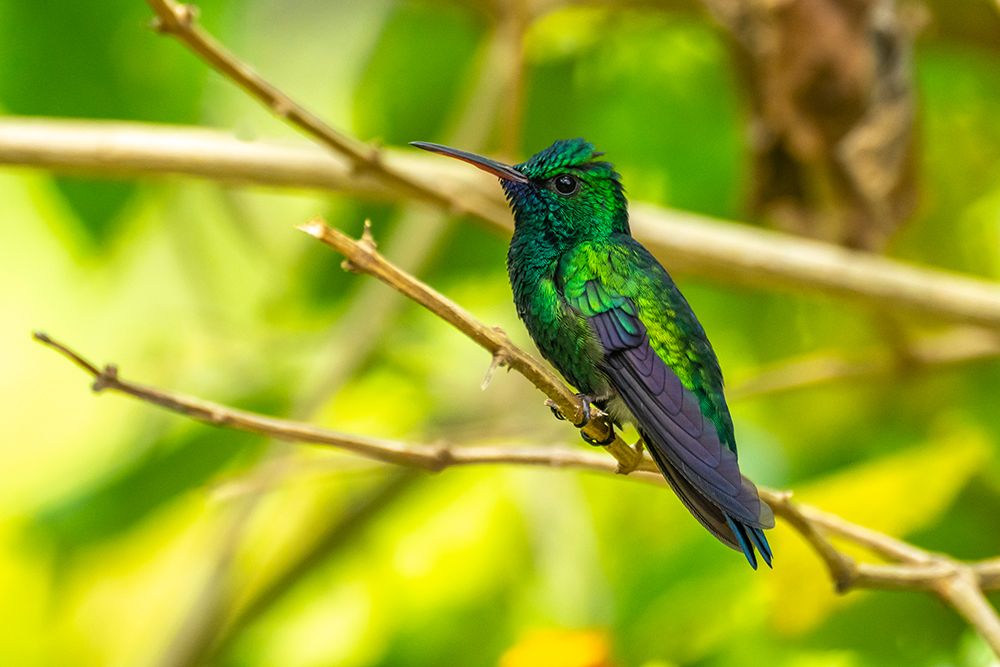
(129, 536)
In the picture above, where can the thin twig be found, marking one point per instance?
(213, 622)
(962, 591)
(960, 585)
(180, 21)
(427, 457)
(913, 568)
(362, 257)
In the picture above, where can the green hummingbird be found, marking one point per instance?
(608, 316)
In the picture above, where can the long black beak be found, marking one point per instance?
(498, 169)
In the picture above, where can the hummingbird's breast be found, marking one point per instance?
(562, 336)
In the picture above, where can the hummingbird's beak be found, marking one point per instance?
(498, 169)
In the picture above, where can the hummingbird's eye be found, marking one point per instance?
(565, 185)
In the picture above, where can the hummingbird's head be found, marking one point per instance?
(563, 189)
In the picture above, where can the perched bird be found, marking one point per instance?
(607, 315)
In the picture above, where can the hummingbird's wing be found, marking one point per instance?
(683, 441)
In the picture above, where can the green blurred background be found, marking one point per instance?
(129, 536)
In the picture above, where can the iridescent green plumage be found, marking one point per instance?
(605, 313)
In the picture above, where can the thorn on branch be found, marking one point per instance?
(106, 378)
(314, 228)
(500, 359)
(376, 153)
(282, 108)
(187, 15)
(180, 18)
(367, 241)
(218, 417)
(366, 244)
(442, 458)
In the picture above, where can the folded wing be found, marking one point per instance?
(685, 444)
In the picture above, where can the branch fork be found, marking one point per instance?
(961, 585)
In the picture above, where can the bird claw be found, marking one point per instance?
(557, 413)
(586, 410)
(587, 415)
(600, 443)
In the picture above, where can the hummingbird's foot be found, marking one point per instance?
(600, 443)
(586, 410)
(557, 413)
(587, 414)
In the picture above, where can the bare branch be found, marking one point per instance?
(963, 592)
(958, 584)
(909, 567)
(426, 457)
(180, 21)
(988, 574)
(688, 242)
(913, 568)
(362, 257)
(717, 250)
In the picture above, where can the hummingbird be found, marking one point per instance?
(608, 316)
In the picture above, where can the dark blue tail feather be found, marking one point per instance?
(760, 541)
(749, 537)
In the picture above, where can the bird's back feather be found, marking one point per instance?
(685, 424)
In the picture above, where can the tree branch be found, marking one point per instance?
(180, 21)
(362, 257)
(432, 458)
(960, 585)
(912, 568)
(717, 250)
(688, 242)
(213, 622)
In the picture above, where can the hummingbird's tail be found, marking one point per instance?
(695, 454)
(730, 531)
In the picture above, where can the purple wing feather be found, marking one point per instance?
(683, 442)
